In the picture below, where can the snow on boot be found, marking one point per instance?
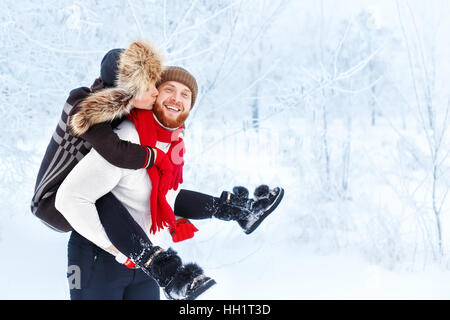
(179, 282)
(249, 213)
(160, 264)
(188, 283)
(241, 192)
(261, 191)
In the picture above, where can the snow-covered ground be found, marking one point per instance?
(34, 266)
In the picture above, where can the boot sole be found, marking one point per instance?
(198, 291)
(268, 211)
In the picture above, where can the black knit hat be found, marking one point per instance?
(109, 67)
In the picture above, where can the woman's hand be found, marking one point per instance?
(165, 168)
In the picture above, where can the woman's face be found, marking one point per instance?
(146, 100)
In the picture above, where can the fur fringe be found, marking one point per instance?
(102, 106)
(186, 274)
(165, 266)
(140, 66)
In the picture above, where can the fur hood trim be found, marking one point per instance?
(101, 106)
(140, 66)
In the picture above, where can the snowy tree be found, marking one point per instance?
(431, 104)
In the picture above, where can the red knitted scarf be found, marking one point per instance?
(150, 131)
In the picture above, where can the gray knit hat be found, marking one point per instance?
(179, 74)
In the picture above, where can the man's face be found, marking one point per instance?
(173, 104)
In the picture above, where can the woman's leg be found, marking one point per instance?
(195, 205)
(165, 266)
(122, 230)
(231, 206)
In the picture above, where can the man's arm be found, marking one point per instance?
(90, 179)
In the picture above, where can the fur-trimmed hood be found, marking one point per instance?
(140, 66)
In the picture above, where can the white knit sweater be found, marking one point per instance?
(93, 177)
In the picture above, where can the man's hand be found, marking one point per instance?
(165, 167)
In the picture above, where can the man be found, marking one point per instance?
(172, 112)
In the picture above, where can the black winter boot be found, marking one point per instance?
(188, 283)
(249, 213)
(180, 282)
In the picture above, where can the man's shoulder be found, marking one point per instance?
(127, 131)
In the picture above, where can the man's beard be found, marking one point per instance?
(158, 110)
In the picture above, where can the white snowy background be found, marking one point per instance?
(343, 103)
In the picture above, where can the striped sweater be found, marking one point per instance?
(65, 150)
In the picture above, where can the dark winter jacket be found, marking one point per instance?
(87, 121)
(65, 151)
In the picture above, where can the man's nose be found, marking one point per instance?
(176, 98)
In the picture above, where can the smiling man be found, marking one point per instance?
(173, 103)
